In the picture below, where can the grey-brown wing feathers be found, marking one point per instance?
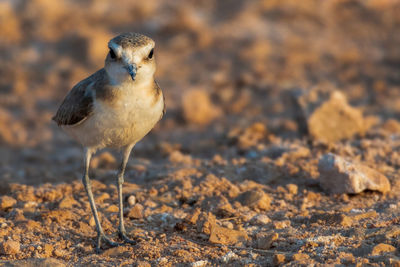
(78, 104)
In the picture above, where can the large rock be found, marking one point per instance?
(256, 199)
(12, 27)
(338, 176)
(12, 131)
(225, 236)
(198, 107)
(265, 240)
(382, 248)
(10, 247)
(326, 116)
(136, 212)
(68, 202)
(7, 202)
(117, 252)
(250, 136)
(205, 222)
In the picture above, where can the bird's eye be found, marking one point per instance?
(151, 53)
(112, 54)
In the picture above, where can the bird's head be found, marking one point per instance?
(131, 58)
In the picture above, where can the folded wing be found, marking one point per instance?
(78, 104)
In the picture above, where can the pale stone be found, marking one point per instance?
(339, 176)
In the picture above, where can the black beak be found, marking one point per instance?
(131, 68)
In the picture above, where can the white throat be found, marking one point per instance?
(118, 75)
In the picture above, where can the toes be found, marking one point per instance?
(112, 243)
(129, 241)
(121, 234)
(103, 237)
(124, 237)
(109, 241)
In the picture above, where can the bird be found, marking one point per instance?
(114, 108)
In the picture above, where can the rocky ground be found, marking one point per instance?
(280, 145)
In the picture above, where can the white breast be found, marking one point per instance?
(127, 120)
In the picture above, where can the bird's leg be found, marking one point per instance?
(86, 182)
(120, 181)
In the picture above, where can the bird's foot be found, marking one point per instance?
(103, 237)
(123, 236)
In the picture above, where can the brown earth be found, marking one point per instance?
(230, 176)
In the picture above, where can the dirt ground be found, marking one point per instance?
(231, 175)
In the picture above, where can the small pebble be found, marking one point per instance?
(228, 257)
(292, 188)
(300, 257)
(261, 219)
(30, 204)
(264, 241)
(131, 200)
(199, 263)
(162, 260)
(227, 224)
(279, 259)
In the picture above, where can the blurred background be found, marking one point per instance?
(222, 65)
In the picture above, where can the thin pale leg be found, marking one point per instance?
(86, 182)
(120, 181)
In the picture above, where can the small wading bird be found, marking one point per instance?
(114, 107)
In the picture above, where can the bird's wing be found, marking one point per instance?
(78, 104)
